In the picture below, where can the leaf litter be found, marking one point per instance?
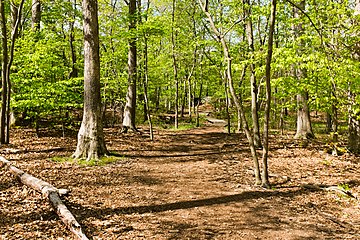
(190, 184)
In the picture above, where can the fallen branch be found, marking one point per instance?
(49, 191)
(330, 188)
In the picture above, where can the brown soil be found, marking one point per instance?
(193, 184)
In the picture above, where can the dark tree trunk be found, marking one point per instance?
(35, 15)
(4, 86)
(91, 144)
(8, 56)
(130, 107)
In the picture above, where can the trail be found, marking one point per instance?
(193, 184)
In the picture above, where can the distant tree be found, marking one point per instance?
(91, 143)
(130, 107)
(304, 129)
(354, 109)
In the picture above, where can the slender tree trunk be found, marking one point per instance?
(4, 87)
(228, 125)
(8, 56)
(146, 73)
(265, 175)
(304, 129)
(130, 107)
(237, 101)
(91, 143)
(354, 116)
(35, 15)
(239, 123)
(176, 80)
(74, 71)
(254, 87)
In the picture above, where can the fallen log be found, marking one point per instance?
(51, 193)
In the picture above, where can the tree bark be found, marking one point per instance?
(51, 193)
(4, 86)
(130, 107)
(304, 129)
(91, 143)
(35, 15)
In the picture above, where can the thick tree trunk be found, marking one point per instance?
(91, 143)
(51, 193)
(35, 15)
(130, 107)
(354, 134)
(304, 129)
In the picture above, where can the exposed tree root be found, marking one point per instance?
(49, 191)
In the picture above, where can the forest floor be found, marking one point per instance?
(189, 184)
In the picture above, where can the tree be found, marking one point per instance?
(238, 101)
(35, 15)
(91, 143)
(304, 129)
(7, 60)
(254, 87)
(130, 107)
(265, 177)
(354, 109)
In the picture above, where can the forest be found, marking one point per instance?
(173, 119)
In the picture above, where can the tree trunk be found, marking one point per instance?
(35, 15)
(130, 107)
(175, 67)
(8, 56)
(304, 129)
(254, 87)
(91, 143)
(4, 87)
(265, 175)
(74, 71)
(237, 101)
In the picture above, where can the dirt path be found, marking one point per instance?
(194, 184)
